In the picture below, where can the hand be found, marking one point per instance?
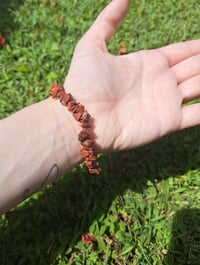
(135, 98)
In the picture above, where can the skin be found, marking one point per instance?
(133, 99)
(139, 94)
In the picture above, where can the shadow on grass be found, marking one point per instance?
(7, 23)
(185, 243)
(44, 229)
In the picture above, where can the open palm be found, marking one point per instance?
(135, 98)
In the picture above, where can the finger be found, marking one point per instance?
(178, 52)
(190, 88)
(187, 68)
(108, 21)
(190, 116)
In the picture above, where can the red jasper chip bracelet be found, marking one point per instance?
(81, 115)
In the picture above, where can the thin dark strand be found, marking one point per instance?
(56, 167)
(25, 194)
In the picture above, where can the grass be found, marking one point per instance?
(145, 207)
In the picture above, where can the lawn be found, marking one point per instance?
(144, 209)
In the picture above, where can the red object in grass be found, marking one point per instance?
(89, 240)
(61, 19)
(2, 40)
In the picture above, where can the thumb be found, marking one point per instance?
(108, 21)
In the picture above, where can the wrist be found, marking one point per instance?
(67, 130)
(80, 115)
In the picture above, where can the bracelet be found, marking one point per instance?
(81, 115)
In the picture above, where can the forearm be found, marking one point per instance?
(38, 144)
